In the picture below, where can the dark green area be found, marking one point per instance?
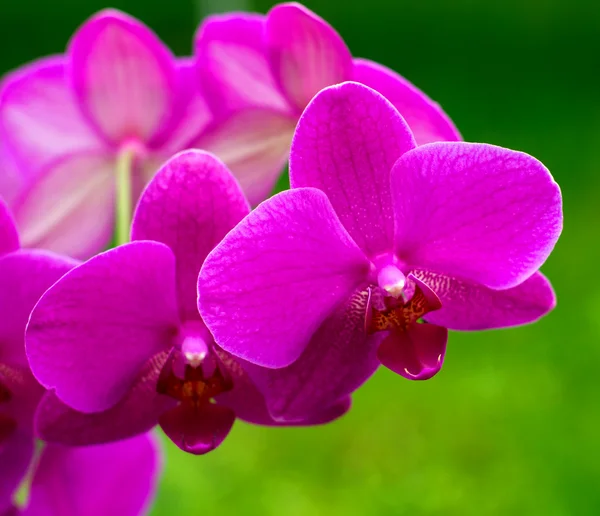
(511, 425)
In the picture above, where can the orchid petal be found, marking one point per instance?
(468, 306)
(254, 144)
(191, 114)
(12, 177)
(475, 211)
(136, 413)
(68, 209)
(24, 276)
(40, 117)
(339, 358)
(267, 287)
(426, 119)
(15, 455)
(123, 75)
(346, 143)
(119, 478)
(232, 64)
(191, 203)
(197, 430)
(9, 238)
(417, 353)
(306, 53)
(91, 333)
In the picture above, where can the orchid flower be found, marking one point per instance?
(261, 71)
(79, 480)
(87, 130)
(379, 247)
(119, 340)
(24, 277)
(118, 478)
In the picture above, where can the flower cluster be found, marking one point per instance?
(205, 310)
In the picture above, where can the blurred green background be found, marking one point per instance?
(511, 425)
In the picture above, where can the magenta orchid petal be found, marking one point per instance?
(417, 353)
(24, 276)
(339, 358)
(468, 306)
(91, 333)
(190, 116)
(15, 455)
(254, 144)
(346, 143)
(9, 238)
(331, 413)
(197, 430)
(234, 70)
(68, 209)
(136, 413)
(123, 75)
(475, 211)
(39, 115)
(118, 478)
(171, 211)
(294, 262)
(426, 119)
(306, 53)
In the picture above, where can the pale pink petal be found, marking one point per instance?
(40, 118)
(190, 116)
(233, 67)
(69, 208)
(306, 53)
(254, 144)
(9, 238)
(426, 119)
(123, 75)
(12, 177)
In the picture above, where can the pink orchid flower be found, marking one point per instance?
(83, 133)
(262, 71)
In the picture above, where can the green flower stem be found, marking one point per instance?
(125, 160)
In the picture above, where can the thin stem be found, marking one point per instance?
(123, 205)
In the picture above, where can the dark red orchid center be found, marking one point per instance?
(399, 315)
(195, 389)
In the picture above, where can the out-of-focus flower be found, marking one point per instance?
(118, 478)
(82, 130)
(76, 482)
(265, 70)
(24, 277)
(451, 233)
(120, 340)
